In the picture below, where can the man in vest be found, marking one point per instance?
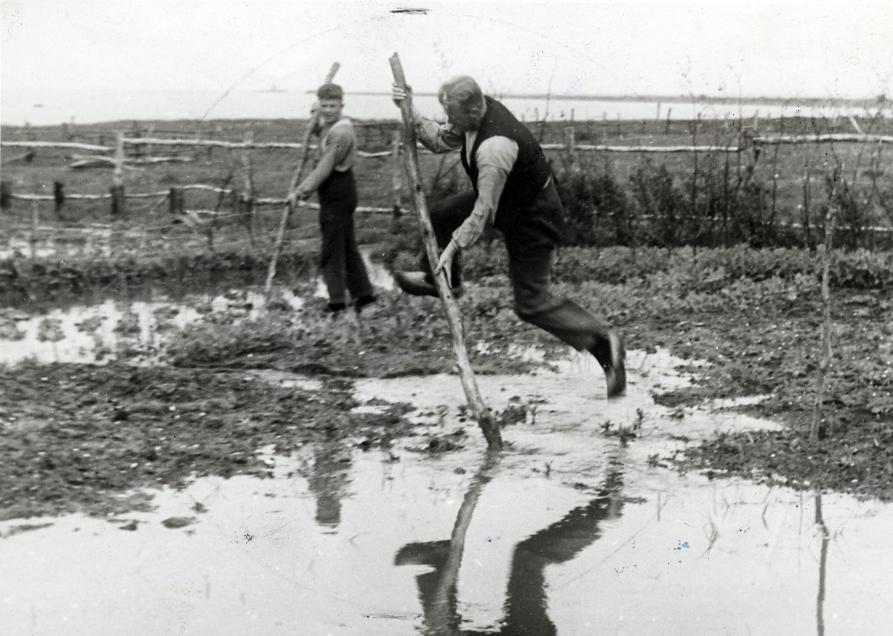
(515, 193)
(342, 265)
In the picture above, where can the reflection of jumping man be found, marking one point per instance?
(526, 602)
(513, 191)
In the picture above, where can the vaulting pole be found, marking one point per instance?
(481, 413)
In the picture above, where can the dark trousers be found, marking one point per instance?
(532, 234)
(342, 265)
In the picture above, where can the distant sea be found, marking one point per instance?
(52, 107)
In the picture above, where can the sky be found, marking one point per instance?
(670, 47)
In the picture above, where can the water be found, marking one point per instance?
(48, 107)
(99, 332)
(571, 531)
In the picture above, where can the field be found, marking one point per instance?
(770, 187)
(147, 385)
(768, 345)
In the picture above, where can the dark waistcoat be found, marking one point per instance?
(528, 175)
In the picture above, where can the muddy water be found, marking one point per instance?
(99, 331)
(575, 529)
(94, 333)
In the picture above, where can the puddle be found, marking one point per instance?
(378, 276)
(56, 242)
(98, 332)
(572, 531)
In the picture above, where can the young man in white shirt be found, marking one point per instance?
(342, 264)
(513, 191)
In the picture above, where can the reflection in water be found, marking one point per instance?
(823, 566)
(328, 481)
(526, 603)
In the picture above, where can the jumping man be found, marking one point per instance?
(513, 191)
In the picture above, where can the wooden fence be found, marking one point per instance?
(245, 200)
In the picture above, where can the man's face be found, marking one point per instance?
(330, 110)
(461, 119)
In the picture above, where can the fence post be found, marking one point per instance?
(119, 205)
(669, 113)
(396, 185)
(5, 194)
(571, 145)
(175, 201)
(247, 199)
(35, 214)
(58, 196)
(150, 133)
(136, 133)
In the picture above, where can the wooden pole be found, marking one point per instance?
(58, 197)
(571, 145)
(827, 258)
(35, 213)
(485, 420)
(118, 200)
(5, 194)
(248, 195)
(396, 185)
(295, 180)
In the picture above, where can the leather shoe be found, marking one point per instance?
(419, 284)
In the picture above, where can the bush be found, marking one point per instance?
(596, 208)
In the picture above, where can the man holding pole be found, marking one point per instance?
(342, 265)
(514, 192)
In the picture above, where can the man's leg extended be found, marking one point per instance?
(530, 270)
(531, 250)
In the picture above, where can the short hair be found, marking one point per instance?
(461, 91)
(330, 91)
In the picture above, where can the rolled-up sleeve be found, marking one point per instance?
(495, 158)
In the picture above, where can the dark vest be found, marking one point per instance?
(528, 175)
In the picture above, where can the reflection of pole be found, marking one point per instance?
(823, 567)
(437, 589)
(445, 597)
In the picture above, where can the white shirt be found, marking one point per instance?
(495, 158)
